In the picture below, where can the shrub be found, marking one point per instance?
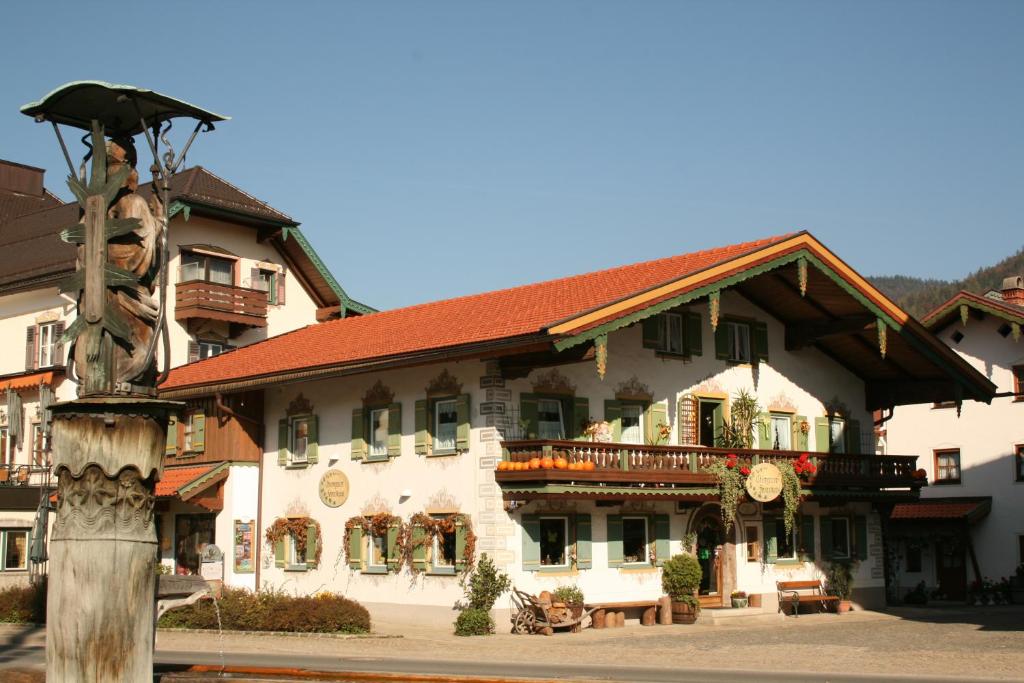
(484, 585)
(570, 595)
(918, 596)
(243, 610)
(680, 578)
(474, 622)
(24, 604)
(839, 580)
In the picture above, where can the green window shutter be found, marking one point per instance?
(852, 433)
(799, 436)
(312, 441)
(653, 331)
(765, 438)
(462, 413)
(394, 429)
(615, 554)
(821, 435)
(655, 413)
(723, 341)
(393, 548)
(171, 447)
(759, 332)
(860, 528)
(358, 442)
(279, 553)
(771, 550)
(355, 549)
(531, 543)
(282, 441)
(661, 538)
(419, 549)
(580, 418)
(613, 415)
(422, 435)
(826, 538)
(584, 551)
(807, 538)
(460, 546)
(198, 432)
(311, 543)
(528, 415)
(693, 334)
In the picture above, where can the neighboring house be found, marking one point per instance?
(240, 271)
(969, 524)
(383, 433)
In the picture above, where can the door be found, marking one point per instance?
(951, 571)
(710, 538)
(710, 421)
(192, 533)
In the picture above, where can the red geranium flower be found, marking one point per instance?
(798, 467)
(804, 456)
(745, 471)
(810, 468)
(730, 464)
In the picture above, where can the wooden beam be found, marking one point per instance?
(801, 335)
(886, 393)
(520, 365)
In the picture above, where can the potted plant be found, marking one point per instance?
(739, 599)
(839, 582)
(680, 578)
(572, 598)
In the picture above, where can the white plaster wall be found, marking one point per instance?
(22, 310)
(240, 495)
(986, 436)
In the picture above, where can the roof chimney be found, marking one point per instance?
(1013, 290)
(21, 179)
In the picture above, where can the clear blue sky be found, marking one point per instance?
(432, 149)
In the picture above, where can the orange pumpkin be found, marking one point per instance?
(534, 463)
(502, 465)
(589, 466)
(561, 463)
(547, 463)
(571, 467)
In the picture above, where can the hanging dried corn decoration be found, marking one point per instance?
(715, 309)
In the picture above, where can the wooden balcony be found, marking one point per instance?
(661, 467)
(212, 301)
(25, 475)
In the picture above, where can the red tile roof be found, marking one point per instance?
(503, 314)
(176, 477)
(943, 509)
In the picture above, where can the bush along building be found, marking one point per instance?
(240, 271)
(966, 535)
(581, 431)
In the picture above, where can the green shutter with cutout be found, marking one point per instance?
(759, 332)
(462, 412)
(584, 551)
(580, 418)
(613, 416)
(771, 547)
(852, 435)
(171, 446)
(661, 538)
(419, 549)
(807, 538)
(528, 416)
(358, 441)
(393, 548)
(799, 435)
(279, 553)
(313, 440)
(614, 545)
(460, 546)
(765, 437)
(860, 527)
(821, 435)
(653, 331)
(422, 434)
(531, 542)
(282, 441)
(826, 538)
(693, 334)
(723, 341)
(198, 431)
(656, 413)
(311, 546)
(394, 430)
(355, 549)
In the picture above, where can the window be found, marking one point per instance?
(673, 334)
(554, 535)
(738, 335)
(446, 426)
(298, 444)
(632, 423)
(1018, 382)
(549, 419)
(378, 559)
(1018, 462)
(753, 544)
(47, 345)
(442, 558)
(294, 558)
(6, 447)
(209, 349)
(379, 433)
(196, 266)
(266, 281)
(15, 549)
(781, 432)
(40, 445)
(840, 538)
(913, 559)
(779, 546)
(186, 435)
(837, 435)
(635, 540)
(947, 466)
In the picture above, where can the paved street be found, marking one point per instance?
(919, 644)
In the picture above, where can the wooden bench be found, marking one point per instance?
(789, 593)
(601, 610)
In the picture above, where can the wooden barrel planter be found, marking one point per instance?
(683, 613)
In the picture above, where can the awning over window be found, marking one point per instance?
(971, 510)
(30, 381)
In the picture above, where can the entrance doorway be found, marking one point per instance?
(710, 555)
(192, 533)
(951, 571)
(709, 419)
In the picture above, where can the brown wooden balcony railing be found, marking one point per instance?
(617, 462)
(25, 475)
(212, 301)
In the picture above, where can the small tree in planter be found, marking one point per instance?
(482, 589)
(680, 578)
(839, 582)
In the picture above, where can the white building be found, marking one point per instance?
(969, 524)
(389, 437)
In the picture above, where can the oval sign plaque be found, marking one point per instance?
(764, 482)
(333, 488)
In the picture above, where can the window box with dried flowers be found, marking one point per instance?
(360, 555)
(296, 542)
(422, 541)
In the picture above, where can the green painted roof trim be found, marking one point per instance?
(346, 302)
(200, 482)
(954, 304)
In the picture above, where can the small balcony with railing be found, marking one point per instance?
(13, 475)
(204, 292)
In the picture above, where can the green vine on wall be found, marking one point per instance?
(731, 479)
(297, 528)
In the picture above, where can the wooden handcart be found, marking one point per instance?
(537, 615)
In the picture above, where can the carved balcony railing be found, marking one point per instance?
(627, 463)
(25, 475)
(212, 301)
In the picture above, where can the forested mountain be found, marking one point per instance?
(918, 296)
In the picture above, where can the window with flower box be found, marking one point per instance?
(556, 542)
(440, 543)
(296, 542)
(372, 544)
